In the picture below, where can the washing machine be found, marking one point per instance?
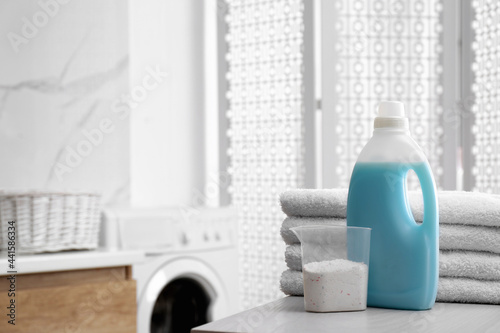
(190, 275)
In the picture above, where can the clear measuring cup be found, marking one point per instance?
(335, 262)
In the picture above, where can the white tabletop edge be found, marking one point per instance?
(70, 260)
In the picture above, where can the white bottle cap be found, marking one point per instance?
(391, 109)
(391, 114)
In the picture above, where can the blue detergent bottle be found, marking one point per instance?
(404, 266)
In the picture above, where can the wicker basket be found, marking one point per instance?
(50, 221)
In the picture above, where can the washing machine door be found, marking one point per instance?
(182, 294)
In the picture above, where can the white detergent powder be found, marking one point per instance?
(336, 285)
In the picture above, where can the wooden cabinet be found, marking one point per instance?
(101, 300)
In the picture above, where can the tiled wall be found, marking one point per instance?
(63, 75)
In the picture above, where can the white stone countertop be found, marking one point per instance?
(70, 260)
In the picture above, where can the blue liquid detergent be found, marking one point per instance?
(403, 270)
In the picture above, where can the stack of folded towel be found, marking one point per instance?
(469, 239)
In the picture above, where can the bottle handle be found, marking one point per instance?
(430, 213)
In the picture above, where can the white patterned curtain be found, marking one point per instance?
(486, 88)
(387, 50)
(265, 132)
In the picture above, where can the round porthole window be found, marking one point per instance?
(180, 306)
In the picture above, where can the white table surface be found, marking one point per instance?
(288, 315)
(71, 260)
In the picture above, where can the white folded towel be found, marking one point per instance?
(471, 238)
(460, 290)
(293, 257)
(319, 203)
(291, 283)
(469, 264)
(451, 236)
(290, 222)
(455, 207)
(449, 289)
(464, 264)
